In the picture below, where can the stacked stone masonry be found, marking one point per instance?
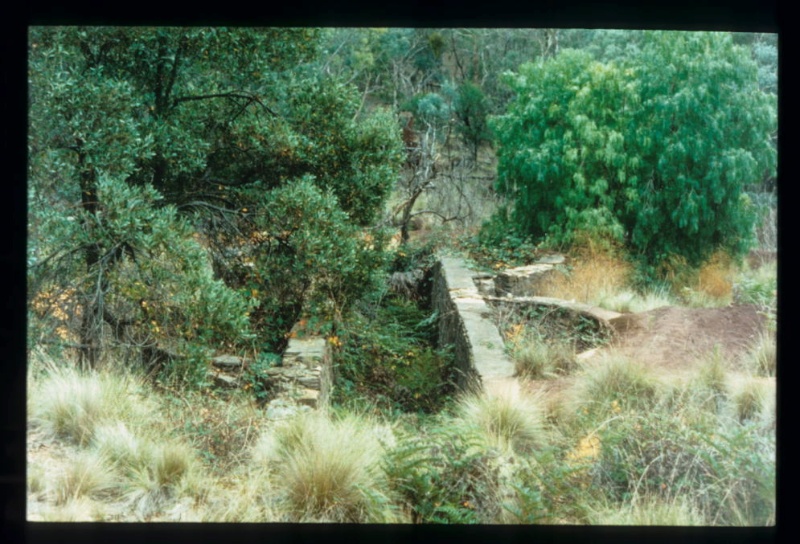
(466, 324)
(306, 371)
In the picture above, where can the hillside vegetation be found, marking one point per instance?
(196, 192)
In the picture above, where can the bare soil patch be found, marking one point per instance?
(674, 337)
(671, 339)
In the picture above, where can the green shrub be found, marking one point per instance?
(499, 245)
(573, 159)
(549, 488)
(387, 359)
(444, 475)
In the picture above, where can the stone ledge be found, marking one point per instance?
(466, 324)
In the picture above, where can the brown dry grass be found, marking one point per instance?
(715, 277)
(595, 272)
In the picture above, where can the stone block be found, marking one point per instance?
(309, 397)
(524, 281)
(228, 362)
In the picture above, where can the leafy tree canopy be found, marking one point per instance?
(653, 149)
(145, 140)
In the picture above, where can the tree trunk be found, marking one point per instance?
(407, 209)
(92, 320)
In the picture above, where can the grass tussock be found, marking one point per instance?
(120, 446)
(614, 383)
(753, 400)
(36, 482)
(87, 475)
(711, 377)
(160, 474)
(685, 451)
(509, 421)
(652, 510)
(763, 357)
(326, 469)
(246, 500)
(535, 358)
(629, 301)
(122, 456)
(71, 404)
(602, 278)
(74, 510)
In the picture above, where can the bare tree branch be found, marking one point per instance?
(232, 94)
(439, 215)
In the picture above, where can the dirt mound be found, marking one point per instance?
(673, 337)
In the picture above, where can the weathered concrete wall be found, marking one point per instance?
(465, 322)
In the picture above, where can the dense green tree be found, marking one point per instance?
(654, 149)
(471, 108)
(204, 123)
(303, 250)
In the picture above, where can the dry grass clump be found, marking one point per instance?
(87, 475)
(709, 385)
(535, 358)
(651, 510)
(763, 356)
(709, 285)
(160, 473)
(326, 469)
(245, 500)
(712, 376)
(715, 277)
(509, 421)
(602, 278)
(35, 478)
(121, 459)
(71, 404)
(753, 399)
(595, 274)
(615, 382)
(74, 510)
(221, 428)
(120, 446)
